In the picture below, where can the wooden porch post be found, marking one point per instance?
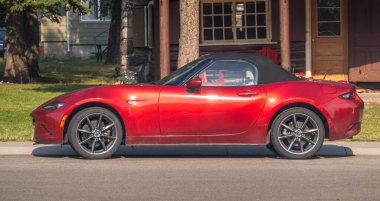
(164, 38)
(308, 39)
(284, 34)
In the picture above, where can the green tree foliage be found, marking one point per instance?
(48, 8)
(2, 15)
(22, 23)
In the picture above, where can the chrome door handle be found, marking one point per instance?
(248, 93)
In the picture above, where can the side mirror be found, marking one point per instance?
(194, 83)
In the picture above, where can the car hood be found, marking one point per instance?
(103, 92)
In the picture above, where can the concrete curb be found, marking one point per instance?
(370, 97)
(329, 149)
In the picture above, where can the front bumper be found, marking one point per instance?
(47, 129)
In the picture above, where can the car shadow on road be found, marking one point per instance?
(191, 151)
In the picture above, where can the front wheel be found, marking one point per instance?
(95, 133)
(297, 133)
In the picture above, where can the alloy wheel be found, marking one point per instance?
(96, 133)
(298, 133)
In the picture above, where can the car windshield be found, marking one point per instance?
(177, 76)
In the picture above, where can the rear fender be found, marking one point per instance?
(272, 109)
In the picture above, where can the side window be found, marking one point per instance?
(229, 73)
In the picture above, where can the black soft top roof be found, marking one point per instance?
(269, 72)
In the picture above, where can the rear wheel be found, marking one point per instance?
(95, 133)
(297, 133)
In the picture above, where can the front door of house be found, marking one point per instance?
(329, 39)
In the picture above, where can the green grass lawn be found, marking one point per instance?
(18, 101)
(72, 71)
(370, 125)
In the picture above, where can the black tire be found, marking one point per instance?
(297, 133)
(95, 133)
(271, 148)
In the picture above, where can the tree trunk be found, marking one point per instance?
(16, 68)
(32, 39)
(189, 32)
(113, 53)
(126, 43)
(22, 47)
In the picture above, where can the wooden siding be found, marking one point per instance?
(53, 32)
(138, 27)
(82, 33)
(297, 20)
(174, 39)
(364, 41)
(88, 33)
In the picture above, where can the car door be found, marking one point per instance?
(228, 102)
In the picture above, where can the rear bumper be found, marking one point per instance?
(346, 117)
(354, 130)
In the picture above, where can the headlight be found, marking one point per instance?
(53, 106)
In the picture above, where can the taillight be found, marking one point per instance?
(348, 96)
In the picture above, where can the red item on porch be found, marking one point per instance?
(268, 52)
(300, 75)
(343, 81)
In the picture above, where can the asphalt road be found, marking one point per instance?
(189, 178)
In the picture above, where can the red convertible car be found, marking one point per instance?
(218, 99)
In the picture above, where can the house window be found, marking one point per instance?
(99, 11)
(235, 21)
(329, 18)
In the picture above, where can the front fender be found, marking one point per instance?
(121, 109)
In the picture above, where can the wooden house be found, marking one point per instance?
(330, 39)
(78, 36)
